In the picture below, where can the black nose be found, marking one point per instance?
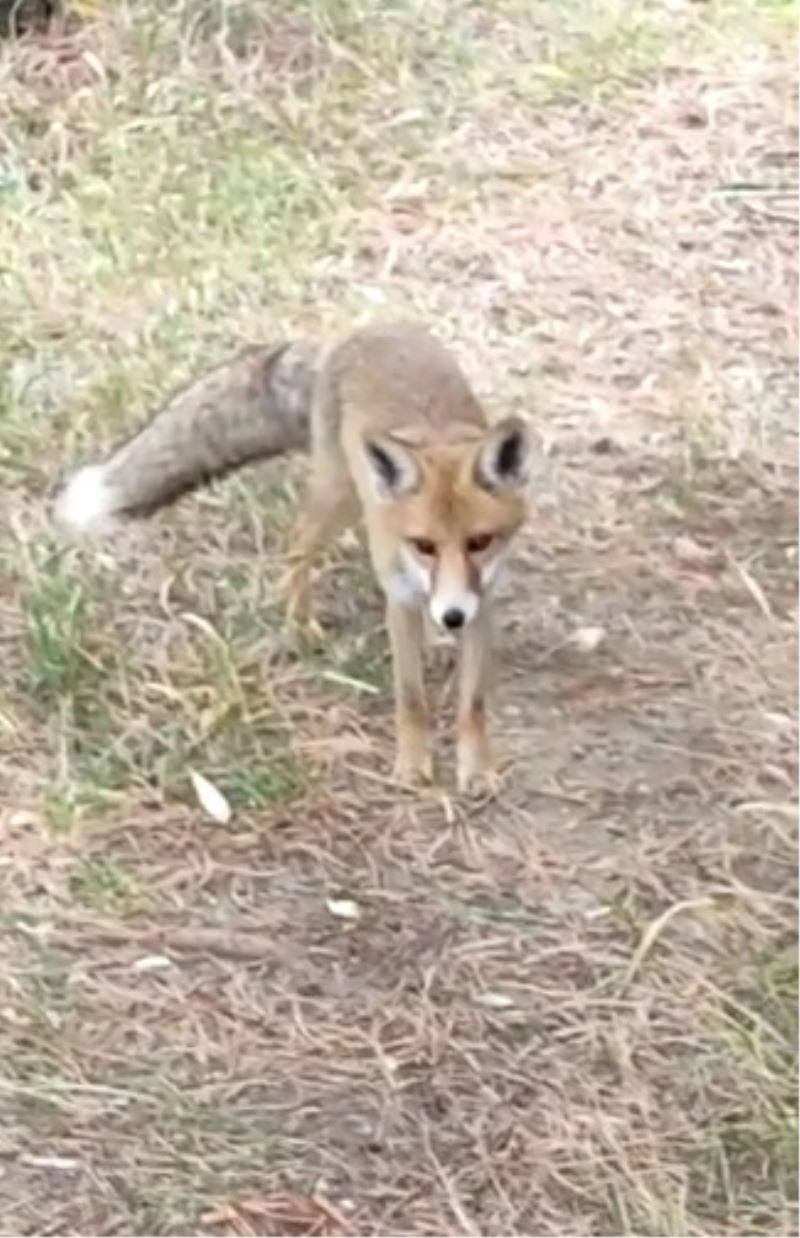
(453, 619)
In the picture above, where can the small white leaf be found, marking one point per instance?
(494, 1001)
(373, 295)
(687, 550)
(211, 800)
(343, 908)
(548, 69)
(588, 639)
(65, 1163)
(152, 962)
(23, 820)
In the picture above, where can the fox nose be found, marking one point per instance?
(453, 618)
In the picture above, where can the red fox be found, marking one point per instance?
(396, 436)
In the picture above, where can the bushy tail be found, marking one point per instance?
(251, 408)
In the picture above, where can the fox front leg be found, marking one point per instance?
(476, 772)
(414, 762)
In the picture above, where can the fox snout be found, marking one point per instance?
(455, 595)
(448, 584)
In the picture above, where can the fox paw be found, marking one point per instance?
(414, 771)
(478, 782)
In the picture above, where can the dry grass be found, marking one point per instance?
(569, 1010)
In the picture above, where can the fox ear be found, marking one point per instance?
(503, 462)
(392, 468)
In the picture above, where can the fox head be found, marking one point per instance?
(442, 515)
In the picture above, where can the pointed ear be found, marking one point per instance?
(503, 462)
(392, 468)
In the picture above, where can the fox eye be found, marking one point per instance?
(478, 543)
(423, 546)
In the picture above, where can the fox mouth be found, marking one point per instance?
(436, 637)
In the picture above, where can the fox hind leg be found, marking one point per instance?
(328, 507)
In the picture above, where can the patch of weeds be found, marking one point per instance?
(106, 761)
(745, 1166)
(267, 781)
(688, 478)
(114, 406)
(97, 763)
(578, 51)
(102, 883)
(647, 1207)
(354, 651)
(250, 630)
(245, 754)
(34, 389)
(615, 45)
(503, 909)
(368, 662)
(625, 911)
(63, 803)
(754, 1152)
(241, 749)
(248, 758)
(262, 499)
(357, 662)
(218, 668)
(46, 980)
(764, 1017)
(156, 757)
(235, 23)
(228, 196)
(777, 989)
(60, 606)
(258, 193)
(161, 1208)
(57, 617)
(227, 1137)
(745, 1169)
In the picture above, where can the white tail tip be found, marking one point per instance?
(86, 504)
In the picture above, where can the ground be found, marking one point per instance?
(567, 1009)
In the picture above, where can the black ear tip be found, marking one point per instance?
(383, 462)
(511, 451)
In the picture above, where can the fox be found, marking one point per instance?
(398, 440)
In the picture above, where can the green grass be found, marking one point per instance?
(58, 615)
(102, 883)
